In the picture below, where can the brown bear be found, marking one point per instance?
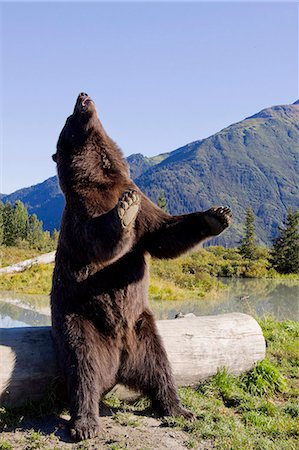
(104, 330)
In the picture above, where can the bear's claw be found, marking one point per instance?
(127, 208)
(179, 411)
(188, 415)
(85, 428)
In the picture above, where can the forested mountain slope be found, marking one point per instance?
(251, 163)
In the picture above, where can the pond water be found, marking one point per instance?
(257, 297)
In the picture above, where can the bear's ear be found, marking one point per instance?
(54, 157)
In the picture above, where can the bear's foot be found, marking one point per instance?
(182, 412)
(174, 410)
(86, 427)
(218, 218)
(128, 207)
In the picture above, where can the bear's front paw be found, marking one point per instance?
(86, 427)
(218, 219)
(127, 208)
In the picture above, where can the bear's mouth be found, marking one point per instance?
(83, 101)
(86, 102)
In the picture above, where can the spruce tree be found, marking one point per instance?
(162, 203)
(55, 236)
(248, 246)
(35, 232)
(1, 223)
(285, 250)
(20, 220)
(9, 232)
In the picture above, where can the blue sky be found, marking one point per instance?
(162, 74)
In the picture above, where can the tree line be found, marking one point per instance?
(284, 253)
(20, 229)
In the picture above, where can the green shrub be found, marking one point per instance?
(264, 379)
(5, 445)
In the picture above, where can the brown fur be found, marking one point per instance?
(103, 327)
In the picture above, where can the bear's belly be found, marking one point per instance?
(112, 299)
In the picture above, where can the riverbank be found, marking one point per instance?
(258, 410)
(193, 276)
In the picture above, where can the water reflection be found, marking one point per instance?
(18, 310)
(8, 322)
(257, 297)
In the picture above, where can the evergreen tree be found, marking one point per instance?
(19, 229)
(248, 246)
(9, 234)
(285, 250)
(20, 220)
(35, 232)
(1, 223)
(55, 236)
(162, 203)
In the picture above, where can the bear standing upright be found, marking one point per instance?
(104, 331)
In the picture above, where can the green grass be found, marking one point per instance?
(33, 440)
(170, 280)
(54, 401)
(193, 276)
(13, 255)
(256, 411)
(264, 379)
(121, 446)
(82, 446)
(4, 445)
(127, 419)
(35, 280)
(181, 278)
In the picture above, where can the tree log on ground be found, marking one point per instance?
(46, 258)
(197, 348)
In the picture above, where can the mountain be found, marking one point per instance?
(139, 163)
(250, 163)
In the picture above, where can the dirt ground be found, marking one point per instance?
(131, 431)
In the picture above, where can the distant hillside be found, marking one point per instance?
(44, 199)
(251, 163)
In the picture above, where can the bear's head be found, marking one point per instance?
(86, 157)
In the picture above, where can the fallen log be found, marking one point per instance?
(46, 258)
(197, 347)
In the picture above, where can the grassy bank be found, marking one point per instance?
(13, 255)
(36, 280)
(169, 284)
(194, 275)
(256, 411)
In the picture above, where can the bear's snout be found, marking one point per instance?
(82, 102)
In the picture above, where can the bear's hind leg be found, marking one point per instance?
(145, 367)
(90, 368)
